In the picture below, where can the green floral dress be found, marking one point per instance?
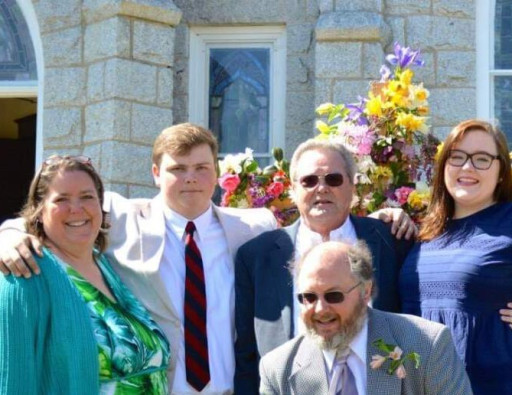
(133, 351)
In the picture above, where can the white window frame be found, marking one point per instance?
(202, 39)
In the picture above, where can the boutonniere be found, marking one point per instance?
(396, 357)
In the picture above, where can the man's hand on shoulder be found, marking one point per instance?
(402, 225)
(16, 256)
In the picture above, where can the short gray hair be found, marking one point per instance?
(331, 144)
(358, 255)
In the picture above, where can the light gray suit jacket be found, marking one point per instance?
(136, 242)
(297, 367)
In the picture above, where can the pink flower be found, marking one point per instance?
(377, 361)
(402, 194)
(229, 182)
(275, 189)
(400, 372)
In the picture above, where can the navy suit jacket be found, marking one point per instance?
(264, 291)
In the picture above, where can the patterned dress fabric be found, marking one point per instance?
(462, 279)
(133, 351)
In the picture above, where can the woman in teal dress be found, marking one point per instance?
(76, 329)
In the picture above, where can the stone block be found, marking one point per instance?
(107, 38)
(454, 8)
(338, 60)
(153, 43)
(64, 86)
(180, 108)
(141, 191)
(352, 26)
(107, 120)
(181, 40)
(60, 149)
(121, 189)
(62, 126)
(323, 91)
(373, 59)
(162, 11)
(148, 121)
(440, 33)
(63, 48)
(181, 72)
(165, 87)
(299, 38)
(397, 26)
(300, 109)
(407, 7)
(125, 79)
(359, 5)
(349, 91)
(57, 14)
(325, 6)
(128, 163)
(312, 8)
(296, 70)
(96, 81)
(456, 69)
(441, 132)
(450, 106)
(427, 73)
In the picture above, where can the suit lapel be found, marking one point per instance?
(367, 232)
(378, 380)
(280, 257)
(308, 374)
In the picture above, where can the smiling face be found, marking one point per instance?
(332, 326)
(71, 213)
(322, 208)
(472, 189)
(187, 182)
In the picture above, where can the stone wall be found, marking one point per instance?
(108, 83)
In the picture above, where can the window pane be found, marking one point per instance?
(17, 59)
(503, 35)
(239, 98)
(503, 105)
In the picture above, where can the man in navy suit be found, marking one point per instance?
(266, 316)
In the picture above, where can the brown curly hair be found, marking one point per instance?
(38, 191)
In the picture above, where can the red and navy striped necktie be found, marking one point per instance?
(196, 341)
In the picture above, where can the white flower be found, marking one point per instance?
(396, 354)
(233, 163)
(377, 361)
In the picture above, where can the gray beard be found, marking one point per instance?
(349, 329)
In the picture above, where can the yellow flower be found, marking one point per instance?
(405, 76)
(374, 105)
(324, 109)
(418, 200)
(411, 122)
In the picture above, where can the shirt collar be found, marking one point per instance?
(178, 222)
(306, 238)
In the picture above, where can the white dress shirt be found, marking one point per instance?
(306, 239)
(220, 299)
(356, 360)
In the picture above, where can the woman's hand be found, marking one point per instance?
(16, 253)
(402, 226)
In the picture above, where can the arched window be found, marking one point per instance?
(494, 62)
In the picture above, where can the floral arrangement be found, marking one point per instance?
(395, 356)
(246, 185)
(388, 134)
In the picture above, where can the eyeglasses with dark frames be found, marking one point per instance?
(312, 180)
(332, 297)
(480, 160)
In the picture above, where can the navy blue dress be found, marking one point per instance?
(461, 279)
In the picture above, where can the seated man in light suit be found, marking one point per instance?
(146, 239)
(322, 174)
(334, 283)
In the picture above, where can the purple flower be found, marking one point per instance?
(356, 110)
(404, 57)
(385, 73)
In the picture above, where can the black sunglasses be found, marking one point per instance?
(332, 297)
(331, 179)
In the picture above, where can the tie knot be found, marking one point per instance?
(190, 228)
